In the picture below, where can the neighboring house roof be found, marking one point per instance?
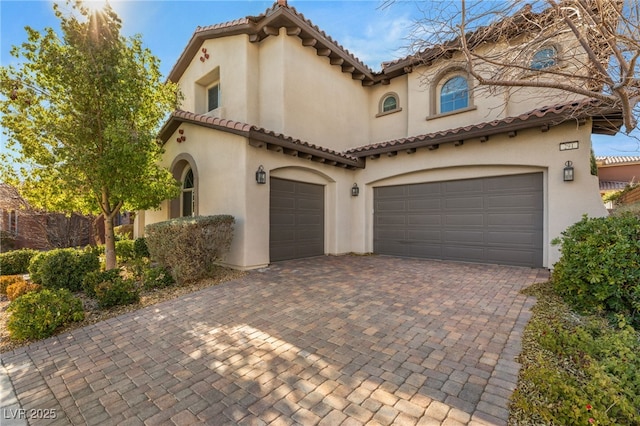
(10, 198)
(269, 23)
(260, 137)
(607, 185)
(605, 120)
(617, 160)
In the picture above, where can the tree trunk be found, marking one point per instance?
(109, 243)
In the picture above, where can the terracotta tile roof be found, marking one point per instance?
(259, 136)
(617, 160)
(545, 116)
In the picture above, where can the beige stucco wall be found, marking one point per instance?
(285, 87)
(233, 60)
(303, 96)
(227, 164)
(530, 151)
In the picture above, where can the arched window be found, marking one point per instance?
(389, 103)
(188, 194)
(454, 94)
(544, 58)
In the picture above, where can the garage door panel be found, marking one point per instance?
(468, 237)
(513, 238)
(420, 249)
(422, 235)
(471, 219)
(391, 220)
(426, 219)
(423, 189)
(494, 220)
(424, 205)
(469, 202)
(459, 187)
(515, 219)
(283, 234)
(514, 183)
(392, 206)
(513, 201)
(464, 253)
(296, 220)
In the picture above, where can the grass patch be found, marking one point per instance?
(576, 369)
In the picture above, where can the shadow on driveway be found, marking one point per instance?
(328, 340)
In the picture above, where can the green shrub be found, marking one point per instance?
(599, 268)
(63, 268)
(577, 369)
(7, 280)
(125, 250)
(37, 315)
(140, 248)
(93, 278)
(18, 289)
(16, 262)
(117, 291)
(157, 277)
(190, 246)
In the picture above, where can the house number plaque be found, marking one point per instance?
(565, 146)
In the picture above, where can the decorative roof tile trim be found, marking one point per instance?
(618, 160)
(256, 133)
(550, 115)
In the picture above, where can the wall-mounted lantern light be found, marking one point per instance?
(568, 171)
(355, 190)
(261, 175)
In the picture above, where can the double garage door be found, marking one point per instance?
(490, 220)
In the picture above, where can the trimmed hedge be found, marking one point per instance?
(16, 261)
(37, 315)
(63, 268)
(7, 280)
(117, 291)
(18, 289)
(599, 268)
(190, 246)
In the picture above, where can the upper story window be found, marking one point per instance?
(454, 94)
(544, 58)
(213, 97)
(389, 103)
(188, 194)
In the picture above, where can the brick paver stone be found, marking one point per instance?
(327, 340)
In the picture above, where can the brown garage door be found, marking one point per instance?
(296, 220)
(490, 220)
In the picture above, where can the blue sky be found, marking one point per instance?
(372, 33)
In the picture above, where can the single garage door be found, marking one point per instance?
(490, 220)
(296, 220)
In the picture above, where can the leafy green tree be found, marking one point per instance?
(81, 110)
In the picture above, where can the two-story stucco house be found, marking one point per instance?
(362, 161)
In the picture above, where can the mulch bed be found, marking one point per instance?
(94, 314)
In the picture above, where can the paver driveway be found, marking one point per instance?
(330, 340)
